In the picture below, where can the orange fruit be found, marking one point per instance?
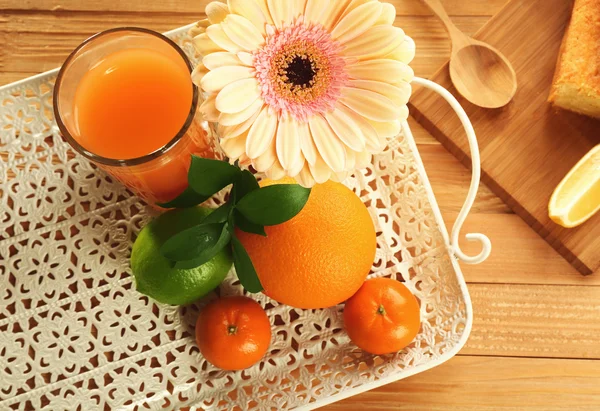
(320, 257)
(233, 333)
(382, 317)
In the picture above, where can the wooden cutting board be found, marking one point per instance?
(526, 147)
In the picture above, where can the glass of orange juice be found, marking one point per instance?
(125, 100)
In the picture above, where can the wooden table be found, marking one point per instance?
(535, 342)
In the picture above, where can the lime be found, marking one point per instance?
(154, 274)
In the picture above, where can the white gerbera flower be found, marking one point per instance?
(304, 88)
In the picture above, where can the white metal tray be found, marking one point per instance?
(74, 333)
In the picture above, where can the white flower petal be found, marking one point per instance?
(328, 144)
(405, 52)
(208, 109)
(388, 129)
(320, 171)
(405, 88)
(265, 9)
(357, 22)
(388, 14)
(384, 131)
(226, 132)
(305, 178)
(242, 32)
(288, 142)
(282, 12)
(266, 160)
(246, 58)
(313, 11)
(218, 36)
(345, 128)
(309, 149)
(295, 169)
(197, 29)
(403, 113)
(339, 177)
(363, 160)
(371, 138)
(399, 93)
(244, 161)
(300, 6)
(261, 133)
(334, 13)
(325, 13)
(238, 96)
(203, 23)
(354, 4)
(276, 172)
(204, 45)
(233, 119)
(234, 147)
(221, 59)
(251, 10)
(216, 80)
(350, 158)
(369, 104)
(384, 70)
(198, 73)
(375, 42)
(216, 12)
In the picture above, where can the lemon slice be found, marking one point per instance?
(577, 197)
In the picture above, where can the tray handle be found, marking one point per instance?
(486, 244)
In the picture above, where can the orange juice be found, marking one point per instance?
(124, 99)
(132, 103)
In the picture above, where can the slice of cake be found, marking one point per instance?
(576, 84)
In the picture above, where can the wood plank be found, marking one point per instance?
(519, 254)
(484, 384)
(526, 147)
(450, 181)
(535, 321)
(403, 7)
(34, 42)
(37, 40)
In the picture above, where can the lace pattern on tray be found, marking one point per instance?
(74, 333)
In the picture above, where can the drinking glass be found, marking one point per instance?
(161, 175)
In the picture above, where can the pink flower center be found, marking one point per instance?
(300, 70)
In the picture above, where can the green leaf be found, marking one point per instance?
(245, 184)
(190, 243)
(274, 204)
(220, 215)
(208, 176)
(231, 224)
(244, 267)
(189, 198)
(208, 254)
(243, 224)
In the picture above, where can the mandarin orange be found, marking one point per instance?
(382, 317)
(233, 333)
(320, 257)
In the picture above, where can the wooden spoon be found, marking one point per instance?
(480, 73)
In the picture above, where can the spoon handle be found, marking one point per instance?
(456, 36)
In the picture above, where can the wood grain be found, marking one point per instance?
(489, 384)
(527, 147)
(535, 321)
(403, 7)
(34, 38)
(49, 37)
(519, 255)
